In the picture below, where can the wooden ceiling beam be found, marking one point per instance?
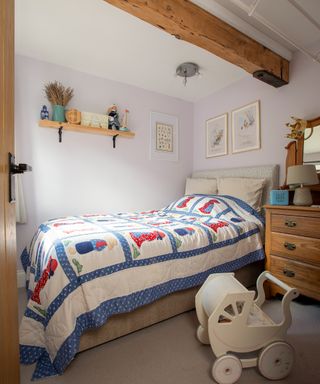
(189, 22)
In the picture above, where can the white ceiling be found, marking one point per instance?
(94, 37)
(298, 20)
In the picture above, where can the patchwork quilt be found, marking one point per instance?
(83, 269)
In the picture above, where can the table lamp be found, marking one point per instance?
(303, 175)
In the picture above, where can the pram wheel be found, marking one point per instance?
(202, 335)
(227, 369)
(276, 360)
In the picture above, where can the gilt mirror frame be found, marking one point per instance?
(295, 151)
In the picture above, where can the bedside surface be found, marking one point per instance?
(315, 208)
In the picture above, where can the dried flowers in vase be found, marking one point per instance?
(59, 96)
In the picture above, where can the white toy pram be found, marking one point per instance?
(232, 321)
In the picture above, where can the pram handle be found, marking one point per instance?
(265, 275)
(276, 281)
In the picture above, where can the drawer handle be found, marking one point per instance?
(290, 223)
(289, 246)
(288, 273)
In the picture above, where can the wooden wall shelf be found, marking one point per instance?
(84, 129)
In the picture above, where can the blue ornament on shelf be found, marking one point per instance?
(44, 114)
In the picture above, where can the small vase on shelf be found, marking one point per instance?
(124, 122)
(58, 113)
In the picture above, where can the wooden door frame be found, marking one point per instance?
(9, 348)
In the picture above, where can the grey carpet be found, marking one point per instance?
(169, 353)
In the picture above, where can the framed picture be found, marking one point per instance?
(164, 137)
(217, 136)
(246, 128)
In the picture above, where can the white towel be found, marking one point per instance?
(21, 212)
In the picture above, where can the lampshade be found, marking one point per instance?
(302, 174)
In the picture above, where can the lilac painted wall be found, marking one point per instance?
(299, 98)
(84, 173)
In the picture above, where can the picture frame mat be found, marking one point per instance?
(241, 140)
(166, 119)
(214, 126)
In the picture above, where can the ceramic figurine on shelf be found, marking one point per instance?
(113, 114)
(124, 121)
(44, 114)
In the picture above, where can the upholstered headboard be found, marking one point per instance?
(268, 172)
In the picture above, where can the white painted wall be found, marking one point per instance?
(299, 98)
(84, 173)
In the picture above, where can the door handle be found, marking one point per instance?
(13, 170)
(20, 168)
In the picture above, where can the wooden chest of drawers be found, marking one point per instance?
(293, 247)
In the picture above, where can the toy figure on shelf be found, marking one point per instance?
(124, 122)
(44, 114)
(113, 114)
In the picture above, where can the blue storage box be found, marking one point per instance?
(279, 197)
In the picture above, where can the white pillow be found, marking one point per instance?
(247, 189)
(202, 186)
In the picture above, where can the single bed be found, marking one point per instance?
(182, 301)
(87, 269)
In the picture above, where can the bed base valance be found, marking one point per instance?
(162, 309)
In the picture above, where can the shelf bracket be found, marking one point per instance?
(114, 140)
(60, 134)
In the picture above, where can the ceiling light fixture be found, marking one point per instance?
(186, 70)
